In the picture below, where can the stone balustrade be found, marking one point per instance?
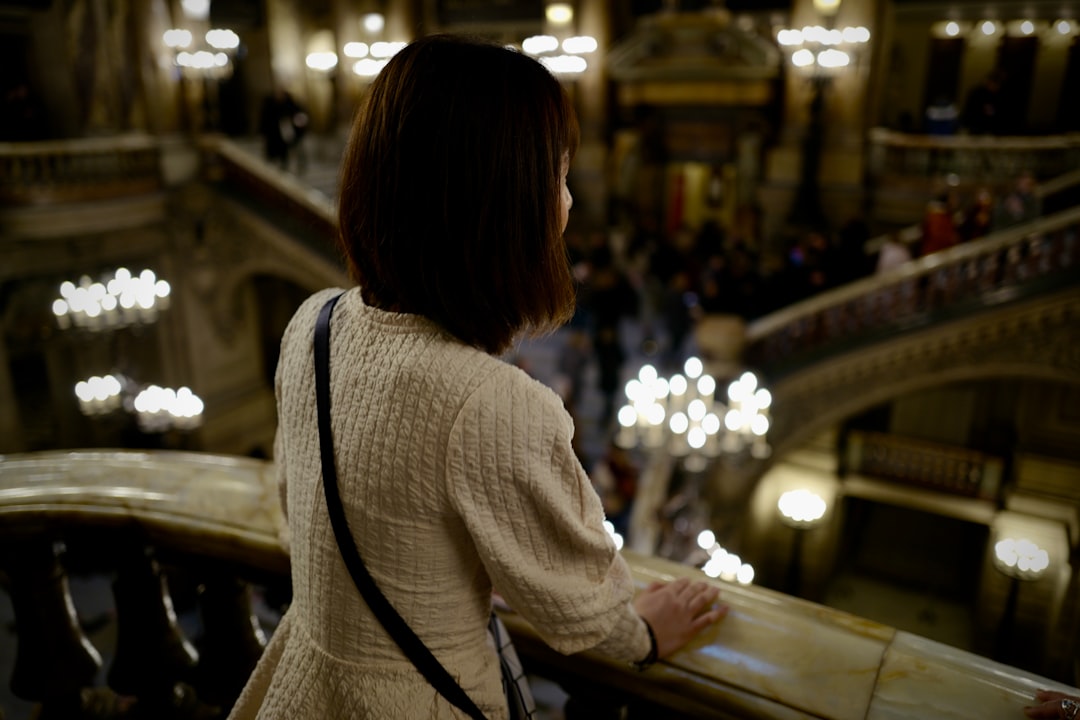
(974, 159)
(75, 171)
(218, 517)
(994, 270)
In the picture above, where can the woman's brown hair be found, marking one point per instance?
(450, 188)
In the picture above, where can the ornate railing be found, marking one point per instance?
(943, 468)
(974, 159)
(214, 522)
(995, 270)
(307, 213)
(74, 171)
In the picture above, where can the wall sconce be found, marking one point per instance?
(800, 510)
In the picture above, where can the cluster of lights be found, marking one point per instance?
(699, 424)
(989, 28)
(801, 508)
(121, 300)
(546, 49)
(99, 395)
(221, 40)
(158, 409)
(721, 563)
(818, 46)
(367, 59)
(1021, 558)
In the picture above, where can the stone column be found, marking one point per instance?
(286, 47)
(841, 130)
(590, 172)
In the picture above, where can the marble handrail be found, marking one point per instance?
(775, 656)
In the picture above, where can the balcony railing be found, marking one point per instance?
(76, 171)
(147, 516)
(943, 468)
(974, 159)
(995, 270)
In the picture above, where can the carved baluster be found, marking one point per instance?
(153, 659)
(54, 660)
(232, 639)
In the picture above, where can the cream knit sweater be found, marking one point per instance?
(457, 477)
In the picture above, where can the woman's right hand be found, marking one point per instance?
(679, 610)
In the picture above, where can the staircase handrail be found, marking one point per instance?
(913, 270)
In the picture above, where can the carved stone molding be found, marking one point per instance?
(1039, 338)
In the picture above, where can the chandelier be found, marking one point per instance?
(156, 409)
(118, 300)
(209, 55)
(683, 415)
(121, 299)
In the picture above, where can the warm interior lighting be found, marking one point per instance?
(368, 67)
(158, 409)
(559, 13)
(988, 27)
(386, 49)
(355, 49)
(579, 45)
(952, 28)
(1064, 27)
(177, 38)
(1027, 27)
(322, 61)
(538, 44)
(1021, 558)
(801, 507)
(122, 299)
(833, 58)
(196, 9)
(565, 64)
(222, 39)
(373, 22)
(827, 7)
(683, 414)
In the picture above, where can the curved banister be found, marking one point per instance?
(773, 657)
(1044, 249)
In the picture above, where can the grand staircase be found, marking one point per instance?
(208, 526)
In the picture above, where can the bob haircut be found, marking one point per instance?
(450, 191)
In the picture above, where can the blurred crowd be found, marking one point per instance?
(657, 286)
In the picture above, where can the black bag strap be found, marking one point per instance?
(395, 625)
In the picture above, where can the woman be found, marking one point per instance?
(456, 469)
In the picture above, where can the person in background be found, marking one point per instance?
(982, 111)
(938, 228)
(282, 123)
(979, 217)
(1019, 205)
(456, 469)
(894, 253)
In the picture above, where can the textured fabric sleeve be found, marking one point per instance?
(537, 522)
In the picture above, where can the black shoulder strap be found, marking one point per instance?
(395, 625)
